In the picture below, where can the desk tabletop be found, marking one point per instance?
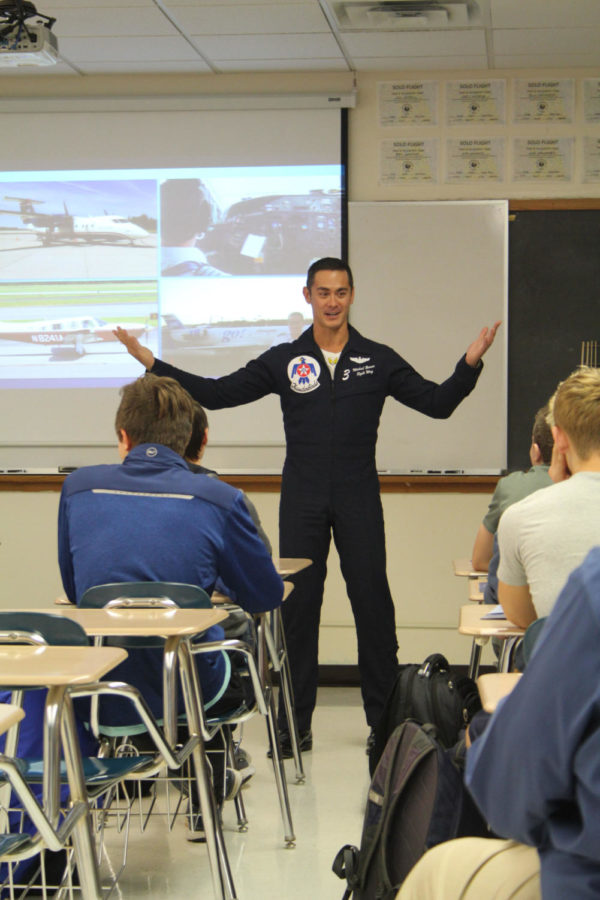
(141, 622)
(9, 716)
(289, 565)
(464, 568)
(494, 686)
(218, 598)
(471, 622)
(26, 665)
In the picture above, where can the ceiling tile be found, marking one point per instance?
(104, 67)
(281, 65)
(546, 40)
(415, 44)
(82, 50)
(544, 13)
(88, 22)
(279, 46)
(547, 60)
(257, 18)
(418, 63)
(233, 3)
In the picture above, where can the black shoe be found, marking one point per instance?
(370, 741)
(305, 742)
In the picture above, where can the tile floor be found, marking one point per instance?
(327, 812)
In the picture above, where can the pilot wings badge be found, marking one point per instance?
(360, 359)
(303, 372)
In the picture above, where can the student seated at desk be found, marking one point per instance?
(534, 772)
(151, 519)
(515, 487)
(544, 537)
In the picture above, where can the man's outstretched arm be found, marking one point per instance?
(143, 354)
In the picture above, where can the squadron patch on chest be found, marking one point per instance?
(303, 372)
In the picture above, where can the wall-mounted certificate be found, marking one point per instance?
(544, 101)
(591, 159)
(408, 161)
(543, 159)
(475, 159)
(471, 102)
(407, 102)
(591, 99)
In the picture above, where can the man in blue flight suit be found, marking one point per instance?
(332, 383)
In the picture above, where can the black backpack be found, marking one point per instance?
(417, 799)
(427, 693)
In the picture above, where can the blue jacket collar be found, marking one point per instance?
(154, 453)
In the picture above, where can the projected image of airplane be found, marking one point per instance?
(68, 337)
(64, 227)
(221, 337)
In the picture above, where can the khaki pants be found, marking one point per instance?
(475, 869)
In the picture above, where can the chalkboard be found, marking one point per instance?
(554, 266)
(428, 277)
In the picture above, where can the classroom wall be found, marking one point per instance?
(424, 531)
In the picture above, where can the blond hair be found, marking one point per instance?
(156, 410)
(575, 407)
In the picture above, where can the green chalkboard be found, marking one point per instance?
(554, 282)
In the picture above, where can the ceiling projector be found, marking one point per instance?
(25, 35)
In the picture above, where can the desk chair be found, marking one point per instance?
(149, 595)
(23, 845)
(100, 775)
(184, 595)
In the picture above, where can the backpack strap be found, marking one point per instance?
(345, 865)
(435, 662)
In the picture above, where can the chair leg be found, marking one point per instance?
(282, 665)
(238, 800)
(273, 733)
(476, 648)
(509, 646)
(85, 851)
(219, 863)
(279, 772)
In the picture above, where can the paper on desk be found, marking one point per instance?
(496, 612)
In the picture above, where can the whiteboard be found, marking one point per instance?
(428, 277)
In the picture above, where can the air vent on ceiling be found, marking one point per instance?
(401, 15)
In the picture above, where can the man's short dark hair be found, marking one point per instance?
(542, 434)
(199, 428)
(156, 410)
(328, 264)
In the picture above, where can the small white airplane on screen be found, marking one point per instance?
(57, 227)
(73, 332)
(223, 337)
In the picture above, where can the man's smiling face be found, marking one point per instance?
(330, 296)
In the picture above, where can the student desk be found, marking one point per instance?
(290, 565)
(464, 568)
(494, 686)
(176, 626)
(472, 623)
(59, 668)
